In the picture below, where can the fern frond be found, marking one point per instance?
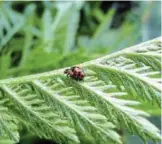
(28, 32)
(66, 24)
(132, 79)
(33, 109)
(8, 127)
(139, 77)
(92, 106)
(149, 54)
(10, 23)
(106, 98)
(77, 110)
(105, 24)
(62, 30)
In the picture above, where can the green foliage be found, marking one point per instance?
(57, 31)
(90, 110)
(8, 126)
(50, 105)
(44, 122)
(60, 33)
(10, 23)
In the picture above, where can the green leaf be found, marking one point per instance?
(10, 23)
(92, 106)
(8, 128)
(77, 110)
(59, 33)
(34, 110)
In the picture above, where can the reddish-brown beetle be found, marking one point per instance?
(75, 73)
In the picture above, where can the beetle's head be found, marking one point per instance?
(66, 71)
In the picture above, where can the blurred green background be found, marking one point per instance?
(42, 36)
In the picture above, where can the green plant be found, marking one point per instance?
(55, 34)
(55, 107)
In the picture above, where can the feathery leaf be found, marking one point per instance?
(33, 109)
(92, 106)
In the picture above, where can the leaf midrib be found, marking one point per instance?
(28, 78)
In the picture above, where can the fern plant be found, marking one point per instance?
(10, 24)
(54, 106)
(56, 29)
(59, 32)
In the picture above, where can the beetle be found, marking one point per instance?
(75, 73)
